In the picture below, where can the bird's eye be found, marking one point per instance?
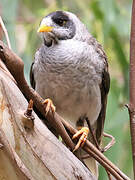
(60, 22)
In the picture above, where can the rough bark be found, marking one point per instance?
(31, 154)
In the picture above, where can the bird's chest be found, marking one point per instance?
(73, 94)
(70, 74)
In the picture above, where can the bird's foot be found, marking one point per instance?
(49, 106)
(84, 134)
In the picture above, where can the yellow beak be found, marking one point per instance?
(44, 28)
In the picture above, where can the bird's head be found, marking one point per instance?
(61, 25)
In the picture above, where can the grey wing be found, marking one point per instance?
(104, 86)
(32, 81)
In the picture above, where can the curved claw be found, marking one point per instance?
(84, 134)
(49, 106)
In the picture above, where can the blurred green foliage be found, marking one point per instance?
(108, 21)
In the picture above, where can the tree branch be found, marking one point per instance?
(27, 149)
(131, 106)
(16, 66)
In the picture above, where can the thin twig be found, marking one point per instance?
(110, 144)
(92, 134)
(109, 175)
(29, 109)
(131, 106)
(5, 32)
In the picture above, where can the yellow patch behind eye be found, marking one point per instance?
(64, 22)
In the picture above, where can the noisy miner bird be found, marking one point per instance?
(71, 69)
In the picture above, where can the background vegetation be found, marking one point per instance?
(109, 22)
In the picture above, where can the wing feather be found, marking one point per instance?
(32, 81)
(104, 87)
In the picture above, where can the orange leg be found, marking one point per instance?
(49, 106)
(84, 134)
